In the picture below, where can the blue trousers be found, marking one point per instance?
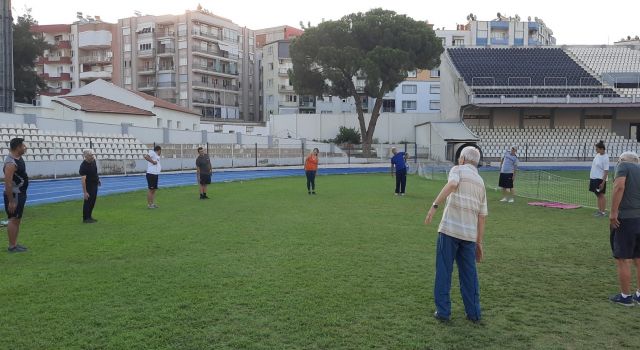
(464, 254)
(401, 180)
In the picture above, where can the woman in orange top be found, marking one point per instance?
(310, 169)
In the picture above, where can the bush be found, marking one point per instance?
(348, 135)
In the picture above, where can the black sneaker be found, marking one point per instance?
(440, 318)
(473, 320)
(619, 299)
(205, 197)
(89, 221)
(17, 249)
(201, 196)
(313, 192)
(309, 192)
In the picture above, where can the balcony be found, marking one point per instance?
(62, 44)
(307, 105)
(211, 86)
(146, 85)
(61, 77)
(146, 70)
(215, 53)
(146, 53)
(216, 70)
(207, 101)
(166, 84)
(283, 72)
(92, 75)
(166, 51)
(95, 59)
(53, 60)
(285, 88)
(163, 34)
(206, 36)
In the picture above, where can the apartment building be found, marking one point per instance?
(198, 60)
(80, 53)
(6, 58)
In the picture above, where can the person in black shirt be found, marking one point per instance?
(16, 182)
(90, 183)
(203, 172)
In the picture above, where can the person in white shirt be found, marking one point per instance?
(153, 170)
(461, 232)
(598, 178)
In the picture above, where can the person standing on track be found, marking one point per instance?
(90, 183)
(153, 171)
(204, 171)
(310, 170)
(16, 182)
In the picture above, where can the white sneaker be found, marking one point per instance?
(511, 200)
(503, 199)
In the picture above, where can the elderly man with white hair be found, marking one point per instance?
(625, 226)
(90, 182)
(460, 236)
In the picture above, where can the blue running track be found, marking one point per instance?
(51, 191)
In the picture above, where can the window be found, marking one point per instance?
(434, 89)
(126, 31)
(412, 74)
(195, 127)
(270, 66)
(435, 73)
(217, 128)
(145, 47)
(409, 89)
(389, 106)
(434, 105)
(159, 122)
(458, 41)
(269, 82)
(178, 125)
(169, 124)
(409, 106)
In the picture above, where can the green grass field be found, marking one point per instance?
(263, 265)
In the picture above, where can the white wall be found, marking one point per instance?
(391, 127)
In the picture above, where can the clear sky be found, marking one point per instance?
(573, 22)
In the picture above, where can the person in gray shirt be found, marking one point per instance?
(625, 226)
(203, 172)
(508, 168)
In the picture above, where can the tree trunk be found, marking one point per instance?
(363, 126)
(367, 138)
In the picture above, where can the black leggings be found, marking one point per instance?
(311, 180)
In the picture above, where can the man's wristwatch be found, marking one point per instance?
(435, 206)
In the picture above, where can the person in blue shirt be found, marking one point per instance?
(399, 162)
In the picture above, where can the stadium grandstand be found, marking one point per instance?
(552, 102)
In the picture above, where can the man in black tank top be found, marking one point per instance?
(16, 182)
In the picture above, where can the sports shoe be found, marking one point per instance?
(511, 200)
(205, 197)
(473, 320)
(600, 214)
(440, 318)
(90, 221)
(636, 298)
(618, 299)
(503, 199)
(152, 206)
(17, 249)
(313, 192)
(402, 194)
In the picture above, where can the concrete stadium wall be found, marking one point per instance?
(390, 128)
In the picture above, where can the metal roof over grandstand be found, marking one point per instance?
(453, 131)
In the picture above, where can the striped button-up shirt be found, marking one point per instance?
(460, 217)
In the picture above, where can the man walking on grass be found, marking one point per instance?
(90, 183)
(460, 235)
(625, 226)
(153, 171)
(16, 182)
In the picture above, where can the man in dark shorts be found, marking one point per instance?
(90, 183)
(625, 226)
(203, 172)
(16, 182)
(508, 168)
(153, 171)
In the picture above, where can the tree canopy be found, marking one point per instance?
(378, 47)
(26, 48)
